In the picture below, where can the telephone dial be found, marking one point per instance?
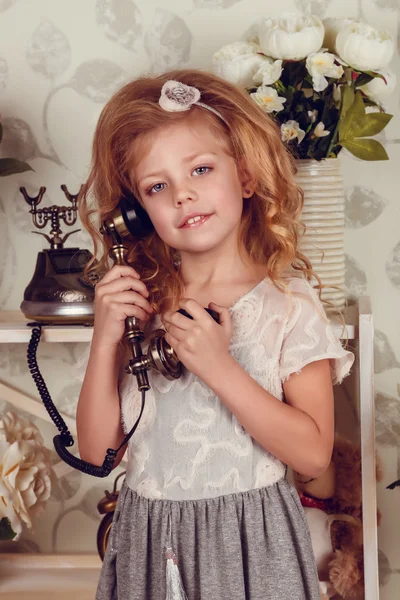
(128, 219)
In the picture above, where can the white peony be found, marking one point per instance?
(363, 47)
(26, 471)
(17, 429)
(332, 27)
(321, 65)
(268, 99)
(291, 130)
(291, 37)
(237, 63)
(380, 89)
(269, 72)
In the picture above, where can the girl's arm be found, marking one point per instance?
(299, 433)
(118, 295)
(98, 416)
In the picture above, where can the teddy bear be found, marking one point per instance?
(333, 506)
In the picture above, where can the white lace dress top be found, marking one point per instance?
(188, 445)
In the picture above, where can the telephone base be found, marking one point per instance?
(59, 313)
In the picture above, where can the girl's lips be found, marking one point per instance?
(198, 223)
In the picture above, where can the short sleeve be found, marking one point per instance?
(309, 335)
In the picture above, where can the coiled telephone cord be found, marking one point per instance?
(64, 439)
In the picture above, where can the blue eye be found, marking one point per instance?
(156, 188)
(202, 169)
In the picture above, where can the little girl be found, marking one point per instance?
(205, 510)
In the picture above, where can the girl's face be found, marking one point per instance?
(190, 186)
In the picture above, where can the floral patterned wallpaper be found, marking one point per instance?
(59, 63)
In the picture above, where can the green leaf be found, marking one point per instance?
(365, 149)
(6, 531)
(10, 166)
(374, 74)
(347, 99)
(353, 119)
(372, 124)
(359, 124)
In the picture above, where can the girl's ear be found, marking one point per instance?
(246, 178)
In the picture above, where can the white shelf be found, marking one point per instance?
(14, 329)
(45, 577)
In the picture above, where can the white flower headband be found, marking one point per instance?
(177, 96)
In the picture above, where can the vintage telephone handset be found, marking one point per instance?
(129, 219)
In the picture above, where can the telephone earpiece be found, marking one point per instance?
(130, 218)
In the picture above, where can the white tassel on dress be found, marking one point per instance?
(175, 589)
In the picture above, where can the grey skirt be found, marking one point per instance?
(251, 545)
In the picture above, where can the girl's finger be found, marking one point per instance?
(193, 308)
(127, 297)
(224, 316)
(129, 310)
(119, 271)
(121, 284)
(173, 342)
(176, 332)
(175, 318)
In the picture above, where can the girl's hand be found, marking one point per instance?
(118, 295)
(201, 344)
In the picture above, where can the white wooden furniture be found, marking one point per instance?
(48, 577)
(367, 425)
(359, 331)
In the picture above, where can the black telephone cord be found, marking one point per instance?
(64, 439)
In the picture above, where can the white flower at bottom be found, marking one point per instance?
(25, 471)
(268, 99)
(291, 130)
(321, 65)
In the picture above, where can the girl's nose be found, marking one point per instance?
(182, 195)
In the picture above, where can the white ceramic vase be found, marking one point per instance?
(323, 216)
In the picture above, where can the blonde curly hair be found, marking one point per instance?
(270, 224)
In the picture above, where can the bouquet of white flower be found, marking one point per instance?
(25, 474)
(319, 80)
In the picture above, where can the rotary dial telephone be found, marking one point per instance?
(59, 293)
